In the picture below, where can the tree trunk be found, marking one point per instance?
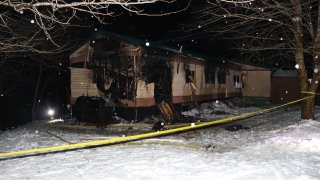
(307, 109)
(307, 105)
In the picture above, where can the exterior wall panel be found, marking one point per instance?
(257, 82)
(284, 89)
(81, 83)
(181, 90)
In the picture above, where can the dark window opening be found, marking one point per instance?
(222, 75)
(190, 75)
(237, 81)
(209, 75)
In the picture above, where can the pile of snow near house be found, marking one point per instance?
(275, 145)
(217, 109)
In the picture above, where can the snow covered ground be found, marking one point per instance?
(276, 145)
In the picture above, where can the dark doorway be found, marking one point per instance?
(162, 82)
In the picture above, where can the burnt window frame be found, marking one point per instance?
(188, 73)
(210, 74)
(222, 75)
(236, 79)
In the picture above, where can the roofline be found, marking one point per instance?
(142, 43)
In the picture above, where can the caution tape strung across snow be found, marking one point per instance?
(105, 142)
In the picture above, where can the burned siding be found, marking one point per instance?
(128, 76)
(82, 55)
(182, 90)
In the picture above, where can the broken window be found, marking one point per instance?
(237, 81)
(209, 75)
(222, 75)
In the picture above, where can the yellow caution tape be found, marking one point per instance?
(192, 126)
(159, 142)
(309, 92)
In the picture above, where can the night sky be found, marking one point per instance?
(169, 29)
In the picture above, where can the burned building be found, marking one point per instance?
(115, 73)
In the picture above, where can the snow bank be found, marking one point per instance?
(217, 109)
(277, 145)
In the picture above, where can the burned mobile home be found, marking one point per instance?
(118, 74)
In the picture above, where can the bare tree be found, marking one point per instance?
(20, 38)
(273, 29)
(39, 25)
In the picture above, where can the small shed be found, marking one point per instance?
(284, 86)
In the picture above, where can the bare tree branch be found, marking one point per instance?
(44, 19)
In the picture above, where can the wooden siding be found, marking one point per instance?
(81, 83)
